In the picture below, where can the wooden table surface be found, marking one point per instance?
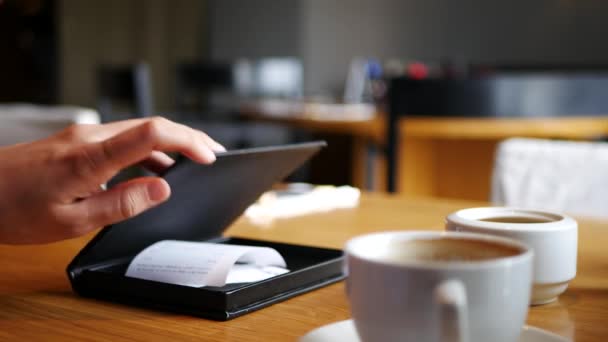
(36, 302)
(439, 156)
(374, 128)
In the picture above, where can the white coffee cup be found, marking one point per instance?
(552, 236)
(437, 286)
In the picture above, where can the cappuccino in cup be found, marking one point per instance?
(433, 286)
(516, 219)
(445, 249)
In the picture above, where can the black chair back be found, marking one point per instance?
(128, 84)
(196, 84)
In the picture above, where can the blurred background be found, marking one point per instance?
(353, 72)
(53, 47)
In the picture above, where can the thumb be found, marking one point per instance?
(126, 200)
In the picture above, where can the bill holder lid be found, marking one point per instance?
(205, 200)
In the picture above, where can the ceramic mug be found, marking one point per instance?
(434, 286)
(552, 236)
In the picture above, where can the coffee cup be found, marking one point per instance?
(437, 286)
(552, 236)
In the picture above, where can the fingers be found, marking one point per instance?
(108, 130)
(137, 143)
(157, 162)
(215, 146)
(98, 133)
(124, 200)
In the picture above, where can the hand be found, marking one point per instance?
(51, 189)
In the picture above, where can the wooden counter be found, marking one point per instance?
(38, 304)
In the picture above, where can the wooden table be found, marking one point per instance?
(36, 302)
(454, 157)
(438, 156)
(368, 135)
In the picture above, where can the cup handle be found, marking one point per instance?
(451, 297)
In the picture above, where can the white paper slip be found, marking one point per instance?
(245, 273)
(205, 264)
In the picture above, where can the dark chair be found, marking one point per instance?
(217, 87)
(120, 85)
(521, 94)
(208, 98)
(197, 84)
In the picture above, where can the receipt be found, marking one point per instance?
(205, 264)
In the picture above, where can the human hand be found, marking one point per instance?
(50, 189)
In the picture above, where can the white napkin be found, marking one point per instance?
(26, 122)
(564, 176)
(311, 199)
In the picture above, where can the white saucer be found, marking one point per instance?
(345, 331)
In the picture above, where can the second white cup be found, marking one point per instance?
(431, 286)
(552, 236)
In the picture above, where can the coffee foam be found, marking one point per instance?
(446, 250)
(516, 219)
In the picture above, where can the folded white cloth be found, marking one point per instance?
(311, 199)
(26, 122)
(563, 176)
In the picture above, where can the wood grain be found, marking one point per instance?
(36, 302)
